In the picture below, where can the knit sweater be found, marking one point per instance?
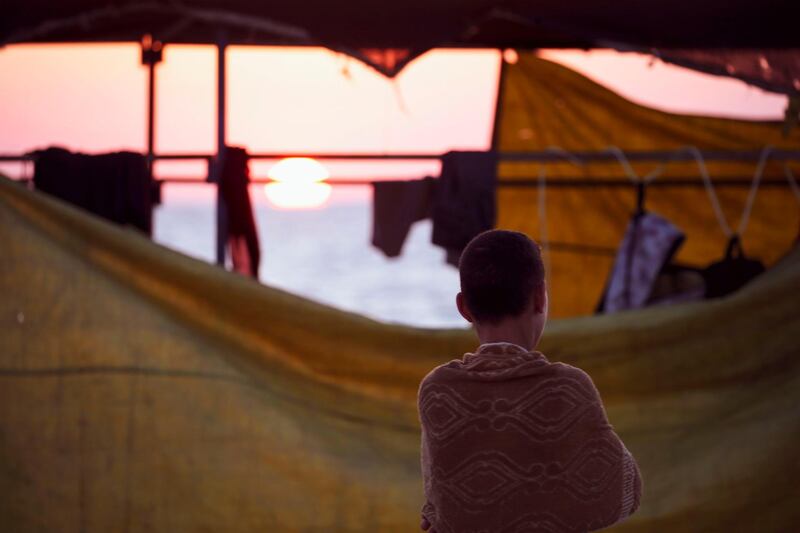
(512, 443)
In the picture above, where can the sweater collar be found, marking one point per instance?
(500, 348)
(501, 355)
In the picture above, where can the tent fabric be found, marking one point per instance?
(772, 70)
(142, 390)
(547, 106)
(403, 30)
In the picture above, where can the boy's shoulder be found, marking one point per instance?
(453, 369)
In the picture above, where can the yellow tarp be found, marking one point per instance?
(141, 390)
(547, 105)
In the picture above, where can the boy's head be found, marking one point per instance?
(502, 278)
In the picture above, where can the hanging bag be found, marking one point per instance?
(731, 273)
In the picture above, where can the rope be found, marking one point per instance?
(792, 181)
(541, 197)
(655, 173)
(751, 197)
(632, 175)
(566, 154)
(712, 194)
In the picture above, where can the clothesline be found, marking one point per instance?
(563, 182)
(548, 155)
(525, 183)
(652, 178)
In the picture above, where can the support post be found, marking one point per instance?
(222, 214)
(152, 54)
(151, 111)
(498, 109)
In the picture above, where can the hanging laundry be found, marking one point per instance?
(396, 205)
(115, 186)
(242, 236)
(732, 272)
(649, 243)
(464, 204)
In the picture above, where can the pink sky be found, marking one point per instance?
(92, 98)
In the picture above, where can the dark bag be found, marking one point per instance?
(732, 272)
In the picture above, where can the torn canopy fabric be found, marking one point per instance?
(772, 70)
(547, 106)
(144, 390)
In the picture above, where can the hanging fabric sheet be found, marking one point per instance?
(141, 389)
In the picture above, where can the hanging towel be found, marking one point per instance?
(242, 236)
(396, 205)
(464, 204)
(649, 243)
(115, 186)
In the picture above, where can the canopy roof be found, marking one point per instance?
(411, 27)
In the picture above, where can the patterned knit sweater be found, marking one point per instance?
(512, 443)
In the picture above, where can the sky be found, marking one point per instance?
(92, 98)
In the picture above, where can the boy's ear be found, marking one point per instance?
(540, 299)
(462, 308)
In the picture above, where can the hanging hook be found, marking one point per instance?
(641, 189)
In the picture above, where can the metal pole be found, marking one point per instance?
(498, 109)
(152, 54)
(151, 105)
(222, 214)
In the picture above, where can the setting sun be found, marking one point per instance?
(298, 184)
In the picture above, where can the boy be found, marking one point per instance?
(511, 442)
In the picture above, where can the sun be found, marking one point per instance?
(298, 184)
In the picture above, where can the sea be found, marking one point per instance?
(325, 254)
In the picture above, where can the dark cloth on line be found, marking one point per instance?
(242, 235)
(115, 186)
(396, 205)
(464, 204)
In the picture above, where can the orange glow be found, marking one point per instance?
(510, 56)
(298, 184)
